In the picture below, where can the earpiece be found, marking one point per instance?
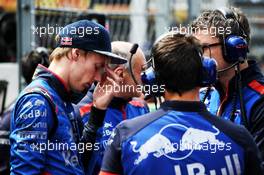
(235, 47)
(208, 74)
(148, 77)
(209, 71)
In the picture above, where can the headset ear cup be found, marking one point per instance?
(209, 71)
(149, 77)
(236, 48)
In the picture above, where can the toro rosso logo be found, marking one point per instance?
(158, 144)
(193, 138)
(178, 147)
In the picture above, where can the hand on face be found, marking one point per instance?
(106, 89)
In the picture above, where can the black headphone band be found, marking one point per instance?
(228, 13)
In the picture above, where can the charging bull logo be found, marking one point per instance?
(108, 125)
(193, 138)
(174, 147)
(158, 145)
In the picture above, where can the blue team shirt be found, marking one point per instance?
(117, 111)
(182, 138)
(33, 149)
(253, 98)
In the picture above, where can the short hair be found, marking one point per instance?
(31, 60)
(177, 62)
(214, 18)
(59, 52)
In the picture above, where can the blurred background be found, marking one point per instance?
(27, 24)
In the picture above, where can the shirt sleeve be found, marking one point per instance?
(257, 125)
(95, 121)
(112, 156)
(30, 123)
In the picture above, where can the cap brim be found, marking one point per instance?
(115, 59)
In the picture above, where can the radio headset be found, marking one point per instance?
(234, 49)
(207, 78)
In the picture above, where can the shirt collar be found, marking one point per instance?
(188, 106)
(54, 80)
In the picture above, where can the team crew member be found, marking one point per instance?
(241, 84)
(29, 63)
(182, 137)
(43, 116)
(127, 105)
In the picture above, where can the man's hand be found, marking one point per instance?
(106, 89)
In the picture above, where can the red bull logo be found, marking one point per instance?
(158, 145)
(192, 139)
(66, 41)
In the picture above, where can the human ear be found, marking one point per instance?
(75, 54)
(119, 71)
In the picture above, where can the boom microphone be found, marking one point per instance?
(134, 48)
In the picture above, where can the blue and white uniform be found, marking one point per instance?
(253, 98)
(117, 111)
(33, 149)
(181, 138)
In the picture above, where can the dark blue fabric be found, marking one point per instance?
(181, 138)
(250, 96)
(86, 35)
(253, 101)
(32, 120)
(117, 111)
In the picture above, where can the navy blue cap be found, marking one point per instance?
(88, 36)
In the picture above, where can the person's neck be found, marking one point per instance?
(225, 77)
(58, 67)
(192, 95)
